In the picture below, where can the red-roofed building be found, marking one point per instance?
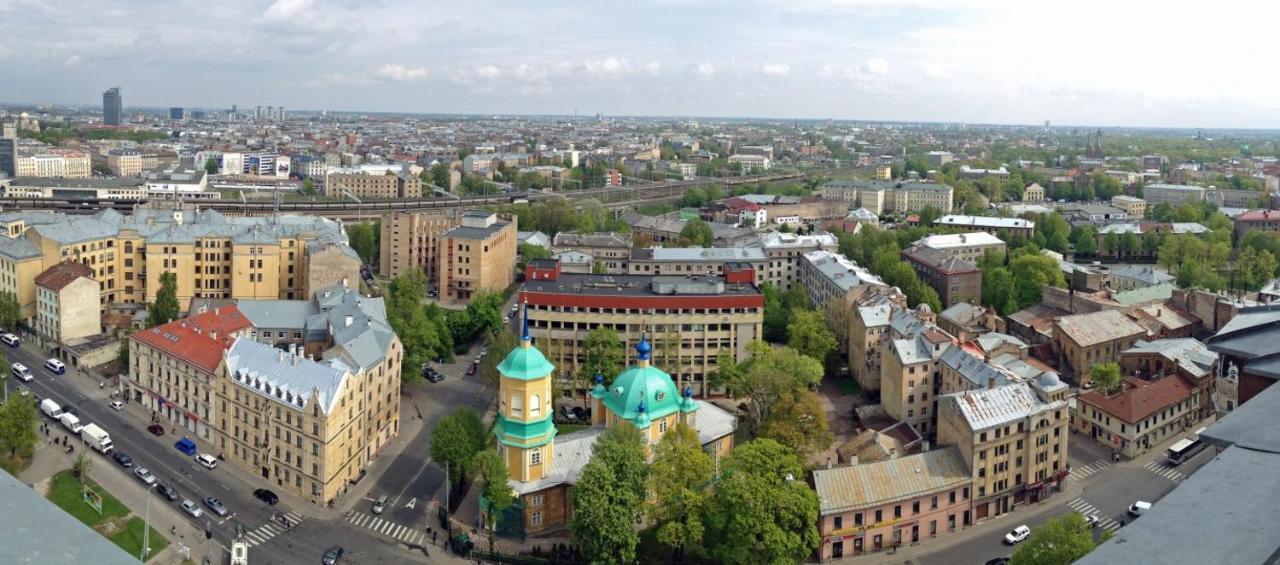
(172, 367)
(1265, 220)
(1143, 414)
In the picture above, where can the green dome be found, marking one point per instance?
(643, 384)
(525, 363)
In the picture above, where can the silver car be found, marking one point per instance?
(145, 476)
(190, 507)
(215, 506)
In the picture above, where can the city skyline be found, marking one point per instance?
(915, 61)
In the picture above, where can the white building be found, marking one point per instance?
(785, 252)
(826, 276)
(758, 162)
(966, 246)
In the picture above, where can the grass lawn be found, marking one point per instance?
(114, 523)
(568, 428)
(849, 386)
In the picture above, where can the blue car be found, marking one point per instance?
(186, 446)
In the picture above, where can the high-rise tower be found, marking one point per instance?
(112, 107)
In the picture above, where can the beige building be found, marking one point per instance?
(1136, 208)
(372, 185)
(125, 163)
(66, 163)
(212, 255)
(1014, 442)
(909, 373)
(681, 261)
(478, 255)
(969, 247)
(870, 331)
(1033, 193)
(883, 196)
(611, 250)
(67, 303)
(410, 242)
(1140, 416)
(1085, 340)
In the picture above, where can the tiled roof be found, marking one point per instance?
(58, 276)
(1140, 399)
(198, 340)
(843, 489)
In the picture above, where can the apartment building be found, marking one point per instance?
(1172, 194)
(749, 162)
(871, 507)
(124, 162)
(991, 225)
(869, 331)
(212, 255)
(1085, 340)
(1141, 415)
(1013, 441)
(1134, 207)
(970, 247)
(477, 255)
(1033, 192)
(883, 196)
(827, 276)
(955, 280)
(410, 241)
(785, 253)
(1186, 357)
(362, 184)
(67, 304)
(682, 261)
(910, 378)
(610, 250)
(690, 320)
(65, 163)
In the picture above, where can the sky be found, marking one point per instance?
(1086, 62)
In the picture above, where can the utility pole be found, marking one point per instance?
(146, 528)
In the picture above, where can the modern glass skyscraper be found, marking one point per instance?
(112, 106)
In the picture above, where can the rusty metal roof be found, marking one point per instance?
(843, 489)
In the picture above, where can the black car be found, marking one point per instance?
(332, 555)
(167, 491)
(123, 459)
(998, 561)
(266, 496)
(471, 369)
(434, 375)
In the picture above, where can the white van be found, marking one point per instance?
(55, 366)
(70, 422)
(51, 408)
(21, 372)
(1139, 508)
(10, 339)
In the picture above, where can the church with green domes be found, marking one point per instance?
(544, 465)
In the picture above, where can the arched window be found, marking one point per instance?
(517, 404)
(535, 405)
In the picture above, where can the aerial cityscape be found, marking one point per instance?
(878, 282)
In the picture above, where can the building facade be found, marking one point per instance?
(611, 250)
(1085, 340)
(372, 185)
(785, 253)
(410, 242)
(477, 255)
(955, 280)
(67, 303)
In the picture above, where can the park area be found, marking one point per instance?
(115, 523)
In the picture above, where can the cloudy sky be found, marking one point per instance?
(1104, 62)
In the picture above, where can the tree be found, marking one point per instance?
(696, 233)
(497, 492)
(500, 342)
(362, 240)
(440, 175)
(10, 311)
(762, 511)
(1064, 539)
(82, 466)
(423, 329)
(1031, 273)
(809, 335)
(1106, 378)
(1129, 244)
(602, 355)
(798, 420)
(456, 440)
(165, 309)
(122, 355)
(604, 516)
(210, 166)
(18, 427)
(929, 214)
(529, 252)
(677, 476)
(621, 448)
(1057, 242)
(998, 290)
(766, 375)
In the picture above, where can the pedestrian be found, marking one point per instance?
(433, 537)
(173, 530)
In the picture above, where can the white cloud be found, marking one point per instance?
(282, 10)
(530, 73)
(401, 73)
(705, 69)
(876, 66)
(72, 61)
(607, 66)
(776, 69)
(653, 67)
(488, 71)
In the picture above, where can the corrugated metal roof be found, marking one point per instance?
(843, 489)
(991, 407)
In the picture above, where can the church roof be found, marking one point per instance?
(525, 362)
(642, 392)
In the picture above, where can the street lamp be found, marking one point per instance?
(146, 527)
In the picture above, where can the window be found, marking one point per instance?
(838, 523)
(517, 405)
(535, 405)
(535, 456)
(535, 519)
(915, 507)
(933, 504)
(897, 510)
(535, 501)
(879, 515)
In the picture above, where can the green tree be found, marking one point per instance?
(500, 342)
(621, 448)
(423, 329)
(10, 311)
(165, 309)
(929, 214)
(492, 470)
(440, 175)
(309, 187)
(808, 334)
(210, 166)
(604, 516)
(362, 240)
(1087, 245)
(1057, 242)
(1063, 539)
(696, 233)
(1106, 378)
(1129, 244)
(762, 511)
(998, 290)
(1031, 273)
(18, 428)
(602, 355)
(766, 375)
(679, 472)
(529, 252)
(797, 419)
(456, 440)
(122, 355)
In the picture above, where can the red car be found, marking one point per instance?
(471, 369)
(156, 429)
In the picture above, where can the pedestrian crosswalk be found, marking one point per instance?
(1084, 508)
(387, 528)
(1159, 468)
(262, 534)
(1084, 471)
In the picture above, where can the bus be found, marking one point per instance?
(1185, 449)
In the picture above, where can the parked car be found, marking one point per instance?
(332, 555)
(215, 505)
(567, 414)
(207, 461)
(10, 340)
(581, 413)
(1139, 508)
(145, 476)
(186, 446)
(190, 507)
(167, 491)
(1092, 520)
(471, 369)
(434, 375)
(21, 371)
(266, 496)
(998, 561)
(117, 405)
(380, 504)
(156, 430)
(1018, 534)
(122, 459)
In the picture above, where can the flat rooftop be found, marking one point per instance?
(639, 285)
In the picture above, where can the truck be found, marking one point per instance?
(96, 437)
(70, 422)
(51, 408)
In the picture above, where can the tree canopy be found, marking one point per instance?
(364, 241)
(766, 375)
(497, 491)
(18, 429)
(165, 309)
(809, 335)
(1106, 378)
(1063, 539)
(602, 355)
(762, 511)
(423, 329)
(797, 419)
(456, 440)
(696, 233)
(603, 521)
(677, 477)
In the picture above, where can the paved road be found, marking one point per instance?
(1108, 492)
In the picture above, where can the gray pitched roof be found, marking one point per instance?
(974, 370)
(287, 379)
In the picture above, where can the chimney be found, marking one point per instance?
(280, 355)
(991, 384)
(213, 335)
